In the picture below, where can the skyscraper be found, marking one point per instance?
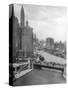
(25, 36)
(50, 43)
(22, 17)
(13, 30)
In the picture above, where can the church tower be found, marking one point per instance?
(22, 17)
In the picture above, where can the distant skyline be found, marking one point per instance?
(46, 21)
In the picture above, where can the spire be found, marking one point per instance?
(22, 17)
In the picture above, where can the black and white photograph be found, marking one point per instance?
(37, 45)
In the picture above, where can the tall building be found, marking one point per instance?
(50, 43)
(21, 27)
(22, 35)
(25, 36)
(13, 31)
(22, 17)
(27, 40)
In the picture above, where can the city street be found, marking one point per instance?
(37, 77)
(51, 58)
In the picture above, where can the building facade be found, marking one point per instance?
(22, 35)
(49, 43)
(13, 32)
(61, 47)
(26, 37)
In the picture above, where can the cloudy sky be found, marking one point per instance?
(47, 21)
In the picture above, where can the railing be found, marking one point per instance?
(39, 66)
(21, 68)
